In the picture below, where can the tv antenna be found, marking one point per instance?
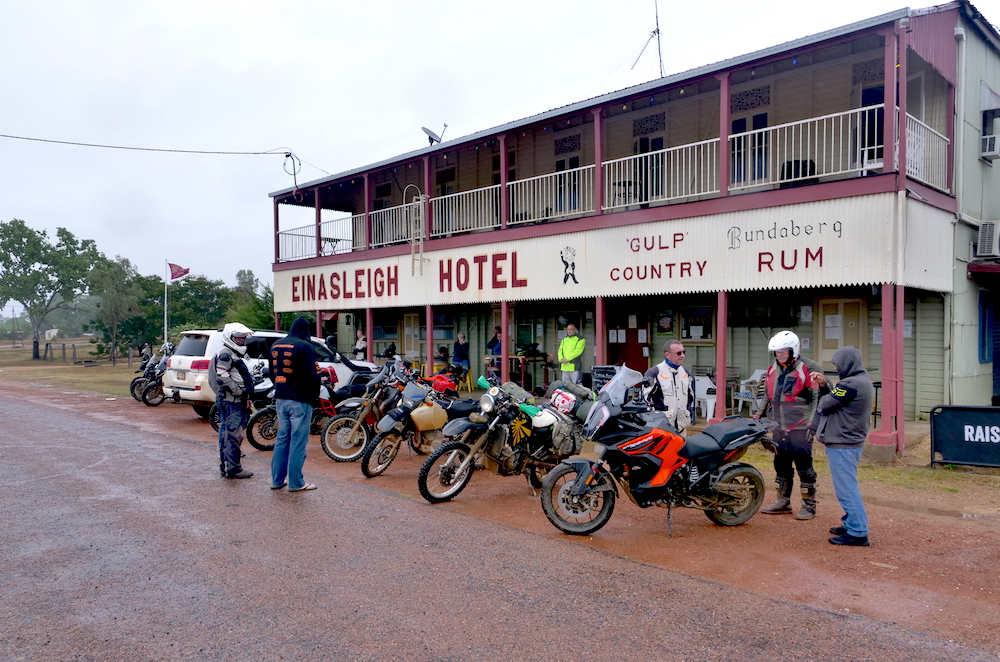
(431, 136)
(654, 33)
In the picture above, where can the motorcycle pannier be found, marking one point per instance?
(566, 438)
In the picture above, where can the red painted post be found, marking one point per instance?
(504, 342)
(724, 127)
(600, 333)
(721, 339)
(429, 323)
(504, 189)
(598, 169)
(370, 331)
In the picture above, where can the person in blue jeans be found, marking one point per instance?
(296, 375)
(843, 413)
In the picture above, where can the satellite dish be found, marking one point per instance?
(431, 136)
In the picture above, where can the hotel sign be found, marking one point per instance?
(829, 243)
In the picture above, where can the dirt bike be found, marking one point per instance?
(261, 396)
(347, 434)
(508, 436)
(262, 428)
(640, 452)
(152, 392)
(148, 370)
(422, 411)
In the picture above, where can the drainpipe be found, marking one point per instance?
(959, 180)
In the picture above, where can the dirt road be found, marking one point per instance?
(930, 568)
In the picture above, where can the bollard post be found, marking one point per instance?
(64, 352)
(74, 352)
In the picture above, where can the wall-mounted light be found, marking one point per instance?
(652, 100)
(682, 91)
(753, 72)
(795, 62)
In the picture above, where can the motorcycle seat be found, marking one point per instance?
(725, 432)
(462, 408)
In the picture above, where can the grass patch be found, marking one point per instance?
(17, 367)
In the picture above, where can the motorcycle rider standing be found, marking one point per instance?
(792, 396)
(233, 384)
(670, 388)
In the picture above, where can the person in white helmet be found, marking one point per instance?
(232, 384)
(792, 395)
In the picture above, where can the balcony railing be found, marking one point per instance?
(687, 171)
(834, 146)
(466, 211)
(926, 154)
(552, 196)
(398, 224)
(297, 243)
(803, 152)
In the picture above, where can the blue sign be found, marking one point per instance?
(965, 435)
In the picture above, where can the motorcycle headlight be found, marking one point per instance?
(408, 402)
(486, 403)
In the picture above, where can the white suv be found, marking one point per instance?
(186, 378)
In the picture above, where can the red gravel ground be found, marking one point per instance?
(932, 565)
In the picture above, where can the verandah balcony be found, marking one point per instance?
(833, 146)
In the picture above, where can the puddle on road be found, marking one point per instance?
(930, 510)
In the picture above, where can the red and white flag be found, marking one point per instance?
(177, 271)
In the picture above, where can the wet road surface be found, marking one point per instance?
(124, 544)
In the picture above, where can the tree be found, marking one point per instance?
(114, 282)
(251, 304)
(41, 276)
(196, 302)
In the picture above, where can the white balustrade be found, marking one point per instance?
(552, 196)
(397, 224)
(926, 154)
(802, 152)
(686, 171)
(466, 211)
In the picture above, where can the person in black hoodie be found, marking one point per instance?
(842, 419)
(295, 371)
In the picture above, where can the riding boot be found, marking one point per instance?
(808, 510)
(783, 502)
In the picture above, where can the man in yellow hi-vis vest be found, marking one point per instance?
(571, 356)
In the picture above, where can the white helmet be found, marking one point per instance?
(784, 340)
(232, 333)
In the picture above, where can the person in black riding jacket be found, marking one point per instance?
(296, 375)
(233, 385)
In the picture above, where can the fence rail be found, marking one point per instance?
(467, 211)
(926, 154)
(552, 196)
(674, 173)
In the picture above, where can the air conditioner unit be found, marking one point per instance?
(989, 240)
(991, 148)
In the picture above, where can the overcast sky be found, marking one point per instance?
(342, 84)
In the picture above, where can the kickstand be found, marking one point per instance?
(531, 487)
(670, 520)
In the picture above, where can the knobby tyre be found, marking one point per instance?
(337, 441)
(262, 429)
(213, 417)
(577, 515)
(380, 453)
(442, 477)
(136, 387)
(152, 394)
(738, 495)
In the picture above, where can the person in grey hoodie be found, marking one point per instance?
(842, 419)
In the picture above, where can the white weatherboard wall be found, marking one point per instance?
(839, 242)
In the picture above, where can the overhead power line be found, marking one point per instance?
(278, 150)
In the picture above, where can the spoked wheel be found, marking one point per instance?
(443, 476)
(262, 429)
(341, 441)
(213, 417)
(136, 387)
(578, 515)
(152, 394)
(380, 453)
(738, 496)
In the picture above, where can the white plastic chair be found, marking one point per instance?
(702, 397)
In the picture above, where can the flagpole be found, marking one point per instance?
(166, 279)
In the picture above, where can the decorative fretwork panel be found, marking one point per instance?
(747, 100)
(569, 144)
(871, 71)
(650, 124)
